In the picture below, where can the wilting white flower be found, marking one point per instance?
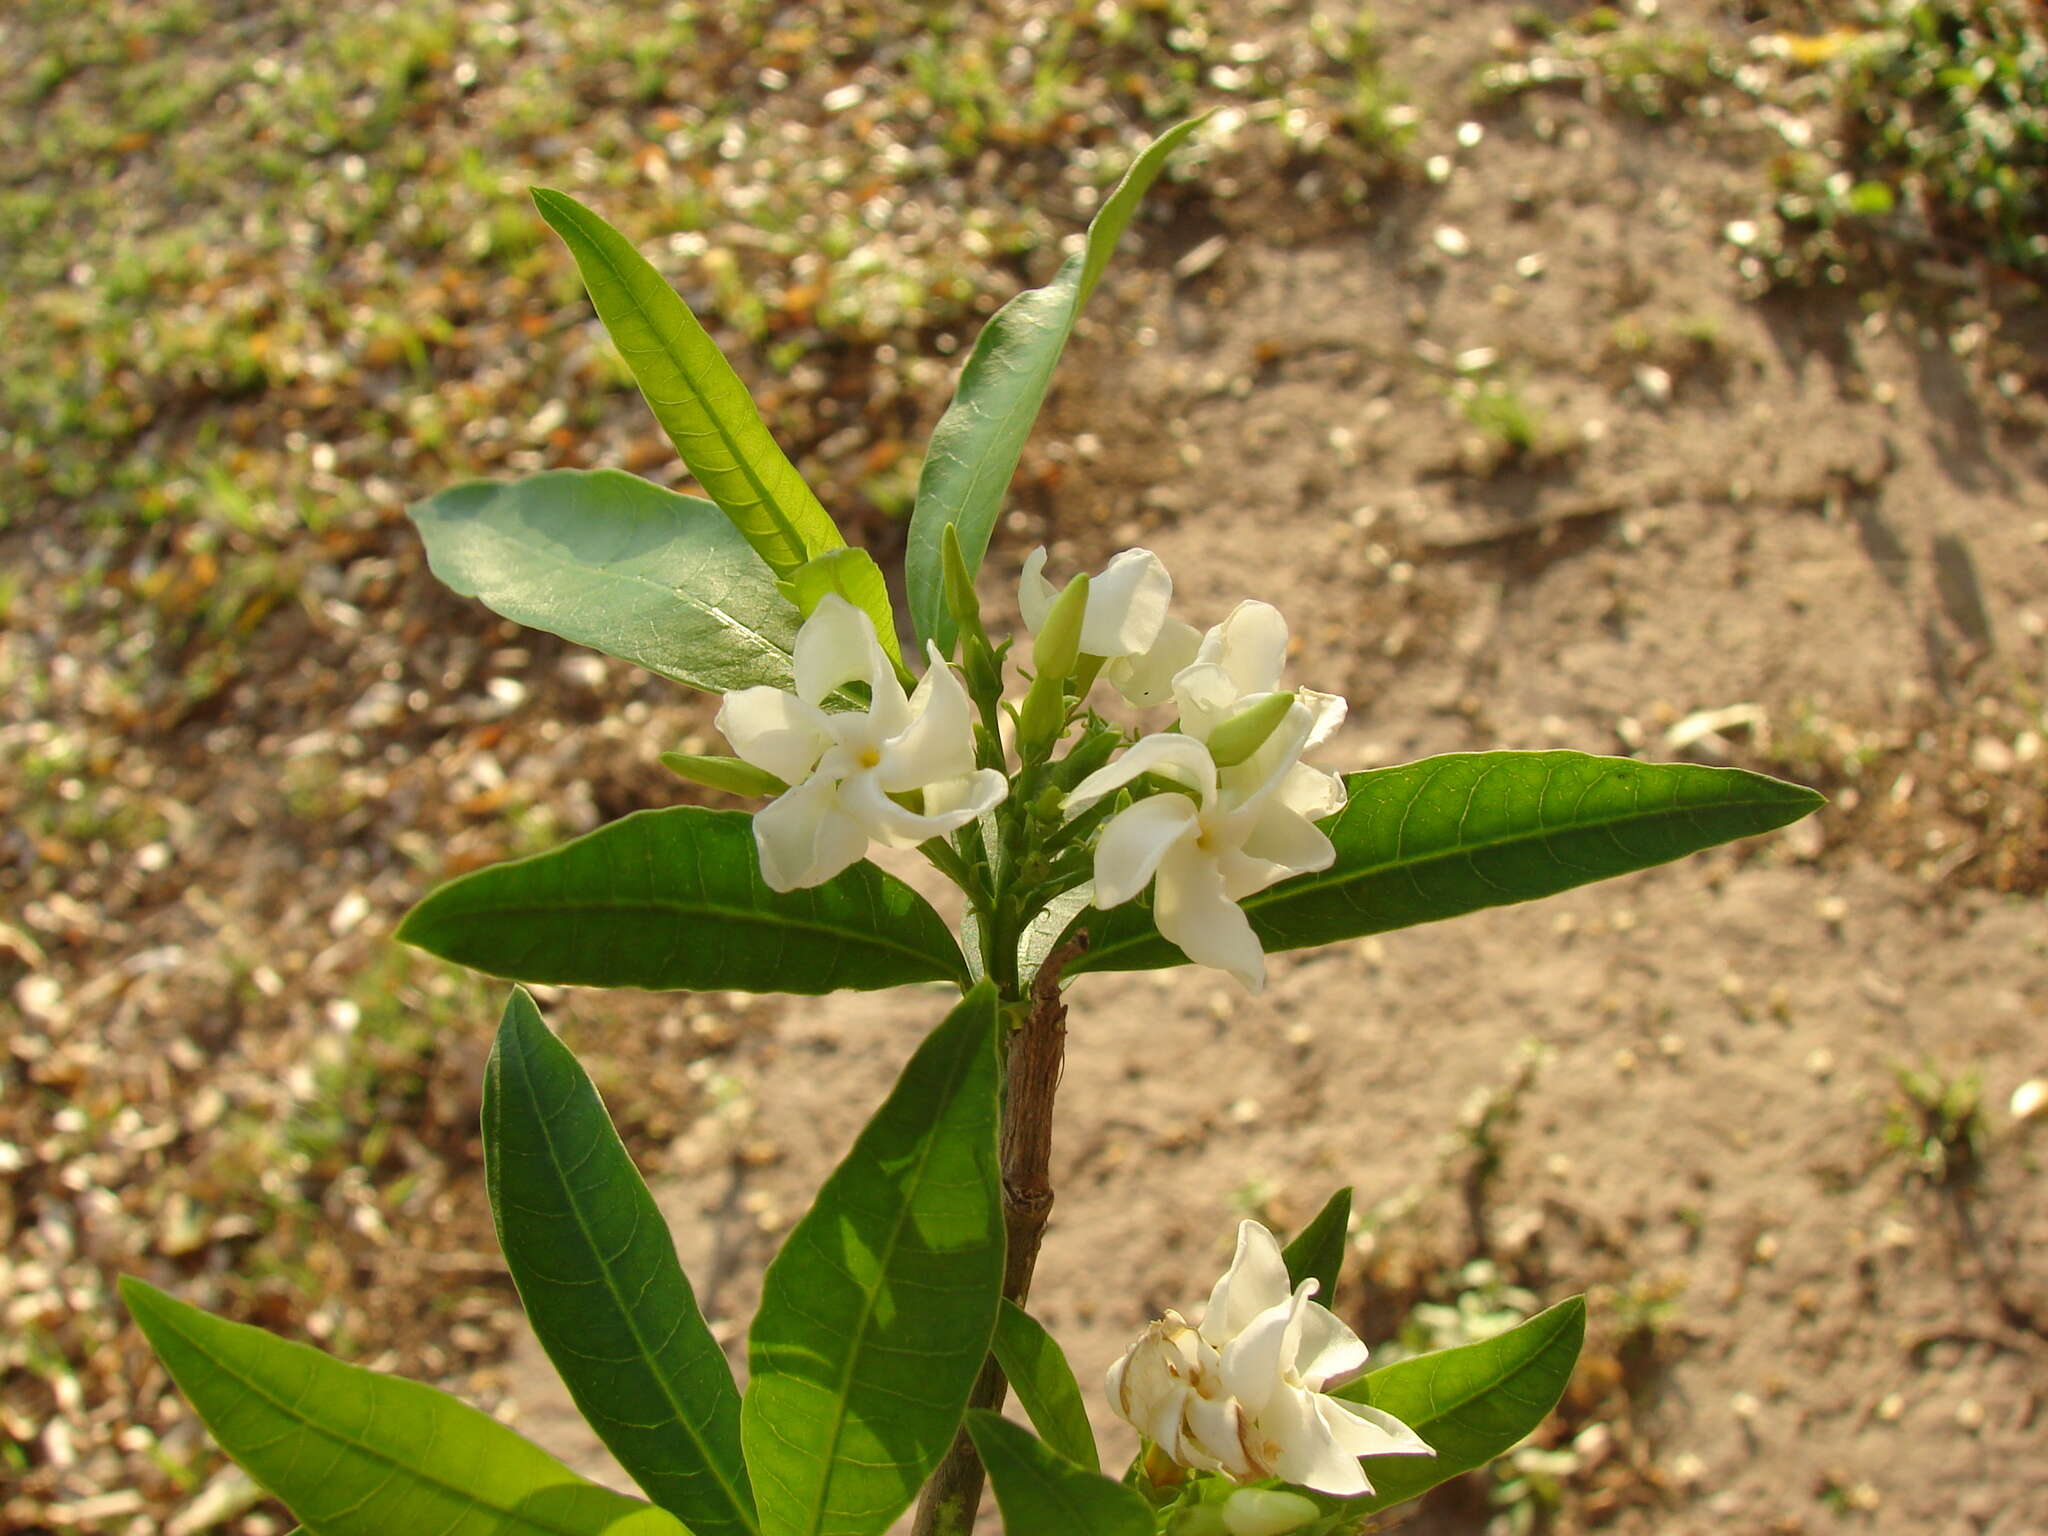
(1245, 1393)
(1125, 622)
(1235, 832)
(845, 768)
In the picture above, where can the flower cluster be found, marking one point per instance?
(853, 773)
(1244, 1392)
(1222, 805)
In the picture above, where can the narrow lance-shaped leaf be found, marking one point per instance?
(975, 447)
(609, 561)
(853, 575)
(1472, 1403)
(695, 395)
(877, 1313)
(1044, 1382)
(1317, 1252)
(601, 1284)
(1040, 1493)
(1450, 835)
(673, 900)
(355, 1453)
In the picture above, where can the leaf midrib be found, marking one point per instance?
(711, 1461)
(717, 614)
(1527, 1363)
(382, 1458)
(1312, 885)
(767, 502)
(928, 1143)
(687, 909)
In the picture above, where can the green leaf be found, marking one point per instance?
(1450, 835)
(1317, 1252)
(673, 900)
(853, 574)
(1472, 1403)
(598, 1274)
(354, 1453)
(1044, 1383)
(694, 393)
(609, 561)
(1042, 1494)
(877, 1313)
(975, 447)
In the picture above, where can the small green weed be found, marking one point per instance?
(1937, 1123)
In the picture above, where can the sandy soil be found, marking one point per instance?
(1792, 1327)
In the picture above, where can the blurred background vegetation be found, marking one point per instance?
(268, 272)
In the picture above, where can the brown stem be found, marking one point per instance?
(1036, 1053)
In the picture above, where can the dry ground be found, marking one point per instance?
(1681, 1091)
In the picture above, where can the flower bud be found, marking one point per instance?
(1057, 648)
(730, 774)
(1246, 731)
(961, 600)
(1266, 1512)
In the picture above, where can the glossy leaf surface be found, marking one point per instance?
(975, 447)
(1450, 835)
(612, 562)
(1317, 1252)
(673, 899)
(1472, 1403)
(853, 575)
(1040, 1493)
(1044, 1383)
(693, 391)
(355, 1453)
(876, 1315)
(603, 1290)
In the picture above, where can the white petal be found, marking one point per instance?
(1251, 645)
(1325, 1348)
(1364, 1431)
(1256, 1282)
(939, 741)
(805, 837)
(1309, 1455)
(1148, 679)
(1134, 841)
(774, 730)
(973, 793)
(1253, 1358)
(862, 797)
(1191, 909)
(1126, 605)
(1311, 792)
(1179, 758)
(1213, 1436)
(1207, 696)
(1291, 842)
(1035, 595)
(1329, 710)
(836, 646)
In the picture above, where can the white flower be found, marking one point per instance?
(845, 768)
(1125, 622)
(1238, 662)
(1238, 831)
(1245, 1393)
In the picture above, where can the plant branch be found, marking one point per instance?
(1036, 1054)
